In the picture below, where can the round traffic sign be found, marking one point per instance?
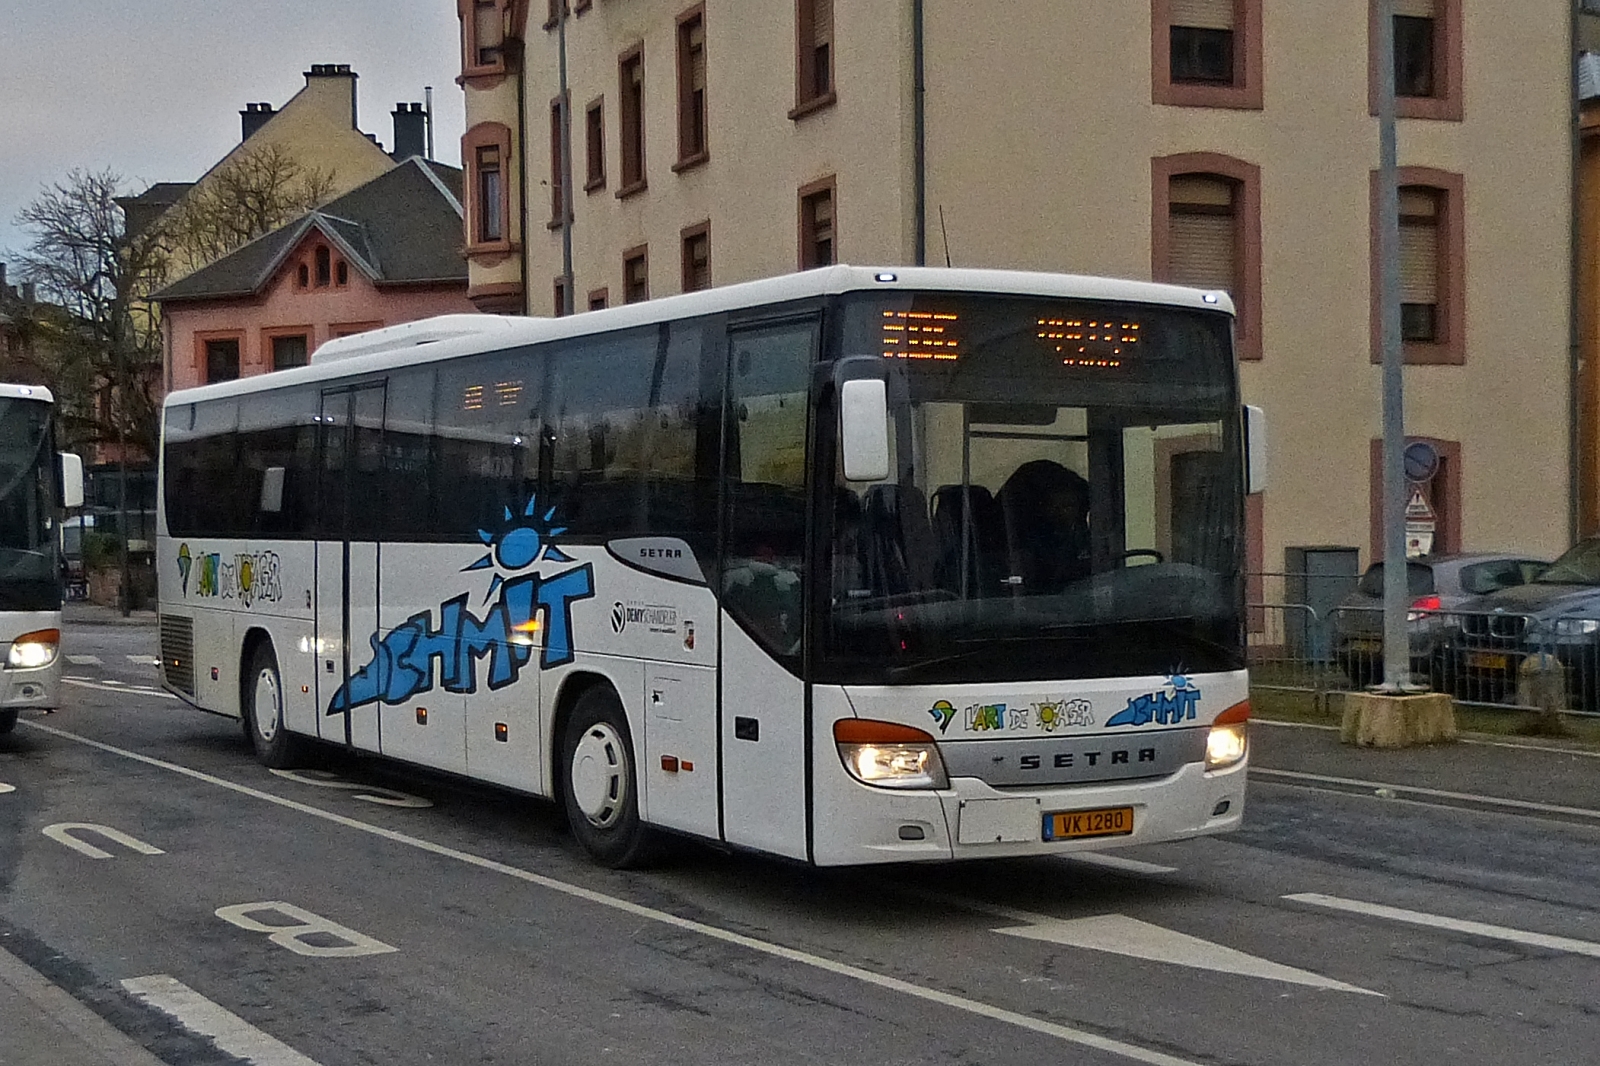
(1421, 461)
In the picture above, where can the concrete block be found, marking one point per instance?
(1382, 721)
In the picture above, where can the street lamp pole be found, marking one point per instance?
(1396, 641)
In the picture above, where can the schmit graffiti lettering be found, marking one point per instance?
(518, 612)
(1161, 707)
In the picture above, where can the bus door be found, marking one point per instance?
(350, 456)
(763, 712)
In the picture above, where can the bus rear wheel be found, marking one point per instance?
(599, 783)
(8, 721)
(263, 711)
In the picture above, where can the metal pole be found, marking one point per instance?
(427, 96)
(565, 106)
(1396, 641)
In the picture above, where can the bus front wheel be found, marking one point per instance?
(8, 721)
(599, 784)
(263, 711)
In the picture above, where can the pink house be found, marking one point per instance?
(386, 252)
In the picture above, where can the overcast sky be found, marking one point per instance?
(153, 88)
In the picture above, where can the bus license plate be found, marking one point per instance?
(1073, 825)
(1488, 660)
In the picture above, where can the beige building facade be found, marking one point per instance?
(1226, 143)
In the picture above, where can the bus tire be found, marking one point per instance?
(600, 782)
(8, 721)
(263, 711)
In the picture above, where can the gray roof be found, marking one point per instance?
(401, 228)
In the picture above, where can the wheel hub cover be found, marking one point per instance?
(266, 705)
(600, 775)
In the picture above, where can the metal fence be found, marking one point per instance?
(1500, 658)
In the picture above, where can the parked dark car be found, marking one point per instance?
(1435, 584)
(1553, 620)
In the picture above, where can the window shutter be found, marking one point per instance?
(1204, 14)
(1422, 9)
(1419, 246)
(697, 56)
(1201, 251)
(822, 22)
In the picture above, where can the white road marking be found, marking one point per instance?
(199, 1015)
(993, 1013)
(85, 660)
(1549, 749)
(110, 688)
(61, 833)
(386, 797)
(1121, 935)
(1455, 925)
(1116, 862)
(302, 924)
(1413, 790)
(4, 788)
(143, 660)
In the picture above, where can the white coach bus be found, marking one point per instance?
(35, 482)
(849, 566)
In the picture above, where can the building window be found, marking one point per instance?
(302, 276)
(1432, 277)
(598, 299)
(1206, 53)
(636, 275)
(324, 261)
(491, 195)
(594, 125)
(555, 162)
(813, 67)
(553, 12)
(817, 225)
(558, 296)
(630, 77)
(697, 257)
(692, 144)
(222, 359)
(482, 36)
(341, 274)
(289, 350)
(1427, 58)
(1206, 232)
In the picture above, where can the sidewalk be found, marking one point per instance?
(41, 1025)
(84, 613)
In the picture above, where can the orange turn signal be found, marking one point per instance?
(868, 731)
(1239, 712)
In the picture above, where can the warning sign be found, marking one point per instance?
(1418, 509)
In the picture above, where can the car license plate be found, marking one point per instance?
(1371, 647)
(1074, 825)
(1489, 660)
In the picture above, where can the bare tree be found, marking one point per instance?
(249, 196)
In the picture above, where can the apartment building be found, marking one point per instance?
(1221, 143)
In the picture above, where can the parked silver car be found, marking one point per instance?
(1434, 585)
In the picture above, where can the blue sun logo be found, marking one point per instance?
(525, 540)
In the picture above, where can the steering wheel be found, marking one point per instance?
(1135, 553)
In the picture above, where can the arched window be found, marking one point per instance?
(324, 262)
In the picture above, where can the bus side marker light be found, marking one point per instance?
(215, 673)
(305, 690)
(422, 716)
(688, 767)
(669, 763)
(1229, 739)
(889, 755)
(502, 732)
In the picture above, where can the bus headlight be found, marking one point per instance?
(33, 650)
(889, 755)
(1229, 739)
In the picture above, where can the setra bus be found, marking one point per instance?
(35, 482)
(850, 566)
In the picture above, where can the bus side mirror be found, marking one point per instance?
(71, 480)
(272, 490)
(864, 429)
(1255, 449)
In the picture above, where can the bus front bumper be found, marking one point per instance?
(35, 687)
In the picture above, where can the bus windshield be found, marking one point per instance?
(30, 579)
(1065, 499)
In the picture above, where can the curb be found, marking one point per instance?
(98, 1040)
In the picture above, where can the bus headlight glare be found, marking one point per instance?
(1226, 745)
(33, 650)
(894, 765)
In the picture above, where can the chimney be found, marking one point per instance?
(253, 117)
(28, 292)
(337, 70)
(410, 131)
(5, 290)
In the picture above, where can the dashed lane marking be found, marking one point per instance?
(142, 690)
(85, 660)
(1432, 793)
(1454, 925)
(143, 660)
(977, 1008)
(199, 1015)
